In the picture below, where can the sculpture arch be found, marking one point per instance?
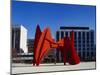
(43, 41)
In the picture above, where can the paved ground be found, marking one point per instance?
(28, 68)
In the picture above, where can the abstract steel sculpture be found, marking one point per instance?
(43, 41)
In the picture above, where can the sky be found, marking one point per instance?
(51, 15)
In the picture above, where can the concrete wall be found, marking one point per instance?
(23, 39)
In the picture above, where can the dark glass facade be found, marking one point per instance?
(16, 39)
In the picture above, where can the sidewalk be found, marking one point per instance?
(28, 68)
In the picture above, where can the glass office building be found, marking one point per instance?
(84, 39)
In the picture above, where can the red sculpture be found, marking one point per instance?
(43, 41)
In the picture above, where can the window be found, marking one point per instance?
(87, 44)
(92, 54)
(79, 35)
(79, 41)
(87, 54)
(88, 41)
(66, 33)
(75, 35)
(92, 44)
(92, 40)
(83, 48)
(79, 45)
(92, 36)
(83, 44)
(62, 34)
(83, 54)
(83, 41)
(92, 48)
(79, 48)
(87, 36)
(87, 48)
(57, 35)
(83, 35)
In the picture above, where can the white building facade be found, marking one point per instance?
(19, 38)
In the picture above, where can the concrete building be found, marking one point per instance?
(30, 43)
(50, 57)
(19, 39)
(84, 42)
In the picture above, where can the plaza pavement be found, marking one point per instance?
(28, 68)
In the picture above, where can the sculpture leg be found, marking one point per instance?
(74, 58)
(63, 55)
(36, 40)
(33, 62)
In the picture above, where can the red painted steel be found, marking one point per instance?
(43, 41)
(36, 40)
